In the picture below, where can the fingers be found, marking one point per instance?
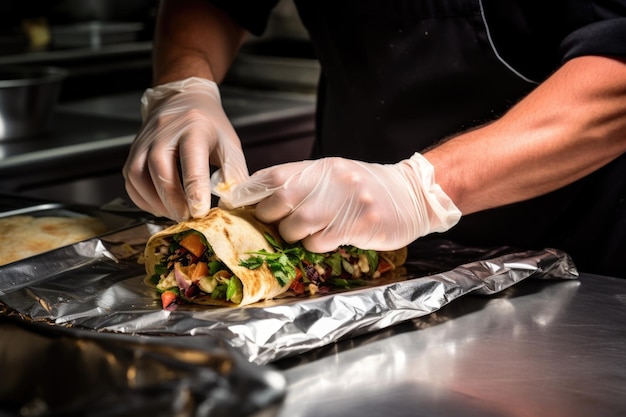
(194, 162)
(320, 243)
(284, 186)
(152, 178)
(234, 167)
(162, 162)
(233, 171)
(322, 227)
(195, 166)
(139, 185)
(297, 202)
(332, 202)
(141, 202)
(298, 226)
(168, 169)
(247, 190)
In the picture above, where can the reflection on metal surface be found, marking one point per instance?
(539, 348)
(87, 374)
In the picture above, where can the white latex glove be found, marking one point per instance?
(184, 127)
(334, 201)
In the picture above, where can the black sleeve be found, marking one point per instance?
(252, 15)
(538, 36)
(606, 37)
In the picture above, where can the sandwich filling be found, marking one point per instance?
(187, 268)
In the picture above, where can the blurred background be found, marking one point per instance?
(72, 73)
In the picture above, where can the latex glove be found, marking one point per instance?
(184, 127)
(334, 201)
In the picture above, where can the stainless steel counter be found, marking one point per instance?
(538, 349)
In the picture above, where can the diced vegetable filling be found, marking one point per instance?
(188, 268)
(311, 273)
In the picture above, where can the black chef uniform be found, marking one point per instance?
(400, 75)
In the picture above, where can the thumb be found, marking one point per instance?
(234, 194)
(255, 188)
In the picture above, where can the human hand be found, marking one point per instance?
(330, 202)
(184, 128)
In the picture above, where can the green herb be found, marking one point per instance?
(234, 290)
(282, 263)
(273, 241)
(160, 269)
(216, 266)
(219, 292)
(370, 255)
(252, 262)
(372, 258)
(334, 261)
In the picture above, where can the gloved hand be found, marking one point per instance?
(334, 201)
(184, 127)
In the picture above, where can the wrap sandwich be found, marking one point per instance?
(229, 258)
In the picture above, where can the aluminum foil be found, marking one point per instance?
(98, 285)
(68, 369)
(57, 371)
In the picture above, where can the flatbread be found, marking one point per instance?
(24, 236)
(233, 236)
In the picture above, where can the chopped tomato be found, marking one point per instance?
(193, 243)
(200, 270)
(297, 286)
(384, 266)
(168, 298)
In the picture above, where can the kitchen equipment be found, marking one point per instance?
(73, 11)
(276, 64)
(94, 34)
(28, 96)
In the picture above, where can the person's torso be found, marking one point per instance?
(398, 76)
(409, 73)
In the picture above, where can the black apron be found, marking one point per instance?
(398, 76)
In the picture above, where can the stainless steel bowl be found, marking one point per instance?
(28, 96)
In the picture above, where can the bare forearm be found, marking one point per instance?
(571, 125)
(193, 39)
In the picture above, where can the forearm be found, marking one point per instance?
(193, 39)
(569, 126)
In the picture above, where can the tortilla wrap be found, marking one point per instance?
(23, 236)
(233, 235)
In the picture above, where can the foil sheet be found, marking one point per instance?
(98, 285)
(56, 371)
(59, 368)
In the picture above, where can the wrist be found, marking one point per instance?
(443, 212)
(153, 97)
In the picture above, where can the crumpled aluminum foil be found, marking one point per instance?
(98, 285)
(58, 371)
(64, 370)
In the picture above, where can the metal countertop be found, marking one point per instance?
(538, 349)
